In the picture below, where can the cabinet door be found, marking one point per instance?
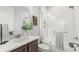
(25, 48)
(33, 46)
(21, 49)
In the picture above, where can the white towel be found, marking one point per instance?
(59, 40)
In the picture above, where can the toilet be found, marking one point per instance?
(44, 46)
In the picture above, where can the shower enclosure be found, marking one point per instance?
(64, 25)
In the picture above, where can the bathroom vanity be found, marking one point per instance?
(30, 47)
(21, 45)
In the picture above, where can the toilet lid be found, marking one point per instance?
(43, 46)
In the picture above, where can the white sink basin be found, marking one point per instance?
(23, 39)
(18, 40)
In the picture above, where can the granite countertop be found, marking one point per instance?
(14, 44)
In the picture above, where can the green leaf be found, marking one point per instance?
(26, 26)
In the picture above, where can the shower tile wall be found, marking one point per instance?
(77, 20)
(66, 15)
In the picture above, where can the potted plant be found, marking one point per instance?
(26, 26)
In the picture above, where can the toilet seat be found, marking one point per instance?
(43, 47)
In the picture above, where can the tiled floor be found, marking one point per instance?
(53, 49)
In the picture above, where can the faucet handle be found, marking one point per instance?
(76, 37)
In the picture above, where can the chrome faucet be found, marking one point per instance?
(76, 37)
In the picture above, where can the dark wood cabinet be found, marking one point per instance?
(33, 46)
(25, 48)
(30, 47)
